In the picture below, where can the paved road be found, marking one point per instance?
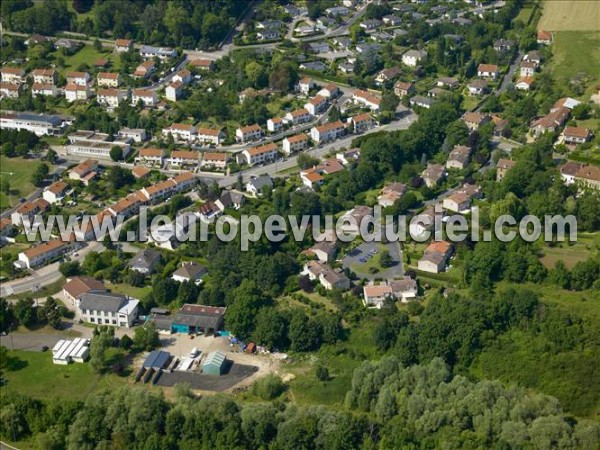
(510, 74)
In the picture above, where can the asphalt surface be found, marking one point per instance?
(366, 251)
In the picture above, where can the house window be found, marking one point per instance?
(92, 319)
(114, 322)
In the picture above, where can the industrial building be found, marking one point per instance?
(214, 364)
(192, 319)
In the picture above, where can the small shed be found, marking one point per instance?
(214, 364)
(157, 360)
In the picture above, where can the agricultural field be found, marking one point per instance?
(17, 171)
(570, 15)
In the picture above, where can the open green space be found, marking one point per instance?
(131, 291)
(89, 55)
(36, 376)
(340, 360)
(571, 254)
(17, 171)
(577, 53)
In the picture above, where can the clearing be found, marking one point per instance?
(18, 173)
(570, 15)
(35, 374)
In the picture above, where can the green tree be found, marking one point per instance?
(322, 373)
(146, 337)
(116, 153)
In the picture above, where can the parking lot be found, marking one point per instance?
(363, 255)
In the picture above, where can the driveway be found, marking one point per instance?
(364, 253)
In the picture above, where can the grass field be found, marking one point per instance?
(132, 291)
(89, 55)
(577, 52)
(571, 254)
(340, 360)
(38, 377)
(570, 15)
(18, 172)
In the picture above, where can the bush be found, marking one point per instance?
(322, 373)
(269, 387)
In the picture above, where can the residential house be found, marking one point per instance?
(305, 85)
(80, 78)
(477, 87)
(298, 116)
(457, 202)
(85, 171)
(370, 24)
(392, 20)
(180, 132)
(328, 132)
(390, 194)
(365, 98)
(150, 157)
(293, 144)
(56, 192)
(44, 89)
(503, 45)
(146, 96)
(316, 105)
(576, 135)
(248, 133)
(403, 88)
(256, 184)
(140, 172)
(413, 57)
(337, 11)
(533, 56)
(437, 92)
(259, 155)
(405, 289)
(209, 211)
(488, 71)
(107, 308)
(435, 257)
(10, 90)
(13, 75)
(210, 135)
(161, 53)
(330, 91)
(184, 76)
(135, 134)
(74, 92)
(123, 45)
(374, 296)
(328, 278)
(319, 47)
(352, 219)
(447, 82)
(183, 158)
(108, 79)
(275, 124)
(190, 272)
(203, 64)
(544, 37)
(527, 68)
(44, 76)
(324, 251)
(433, 174)
(503, 166)
(550, 122)
(145, 69)
(174, 91)
(459, 157)
(231, 199)
(361, 122)
(214, 160)
(28, 210)
(387, 75)
(524, 83)
(268, 34)
(422, 102)
(68, 44)
(75, 287)
(145, 261)
(588, 176)
(42, 254)
(473, 120)
(346, 67)
(111, 97)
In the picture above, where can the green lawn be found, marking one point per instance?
(18, 173)
(577, 52)
(89, 55)
(571, 254)
(40, 378)
(126, 289)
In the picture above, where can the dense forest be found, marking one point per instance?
(388, 406)
(201, 24)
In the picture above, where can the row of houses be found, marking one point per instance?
(155, 157)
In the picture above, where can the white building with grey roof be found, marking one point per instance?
(107, 308)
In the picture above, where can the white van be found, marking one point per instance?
(194, 352)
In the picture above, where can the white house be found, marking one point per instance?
(297, 116)
(248, 133)
(180, 132)
(296, 143)
(147, 97)
(74, 92)
(488, 71)
(210, 135)
(305, 85)
(42, 254)
(274, 124)
(109, 79)
(328, 132)
(81, 78)
(214, 160)
(412, 57)
(111, 97)
(315, 105)
(258, 155)
(189, 271)
(107, 308)
(56, 192)
(44, 89)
